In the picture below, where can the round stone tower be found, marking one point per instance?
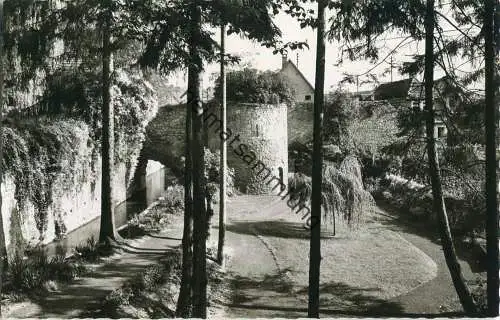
(257, 144)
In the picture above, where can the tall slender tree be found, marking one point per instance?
(3, 249)
(79, 23)
(223, 151)
(199, 279)
(118, 24)
(317, 166)
(108, 230)
(434, 170)
(490, 118)
(183, 308)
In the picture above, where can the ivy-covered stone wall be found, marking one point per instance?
(57, 198)
(52, 165)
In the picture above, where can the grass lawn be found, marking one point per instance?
(360, 270)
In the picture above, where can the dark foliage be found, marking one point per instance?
(29, 274)
(250, 85)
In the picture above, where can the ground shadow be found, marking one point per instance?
(132, 232)
(286, 300)
(280, 229)
(80, 295)
(394, 220)
(156, 236)
(83, 298)
(143, 251)
(342, 299)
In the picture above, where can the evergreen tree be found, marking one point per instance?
(3, 248)
(114, 24)
(434, 171)
(491, 117)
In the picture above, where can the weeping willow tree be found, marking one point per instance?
(343, 194)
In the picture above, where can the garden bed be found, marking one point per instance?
(416, 201)
(157, 216)
(154, 292)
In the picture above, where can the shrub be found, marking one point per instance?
(250, 85)
(172, 202)
(133, 230)
(416, 199)
(31, 272)
(118, 297)
(139, 289)
(88, 251)
(212, 173)
(343, 193)
(174, 197)
(153, 276)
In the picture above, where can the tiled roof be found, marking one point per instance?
(391, 90)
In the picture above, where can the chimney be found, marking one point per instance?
(284, 60)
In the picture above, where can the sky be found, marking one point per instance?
(262, 58)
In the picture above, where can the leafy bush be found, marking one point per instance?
(89, 251)
(118, 297)
(478, 290)
(133, 230)
(28, 273)
(154, 219)
(151, 278)
(212, 174)
(150, 281)
(174, 197)
(416, 199)
(250, 85)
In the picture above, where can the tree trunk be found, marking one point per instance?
(434, 171)
(108, 230)
(198, 154)
(491, 161)
(317, 168)
(3, 248)
(184, 300)
(223, 154)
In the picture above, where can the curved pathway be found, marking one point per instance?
(258, 285)
(438, 295)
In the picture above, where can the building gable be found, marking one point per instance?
(304, 91)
